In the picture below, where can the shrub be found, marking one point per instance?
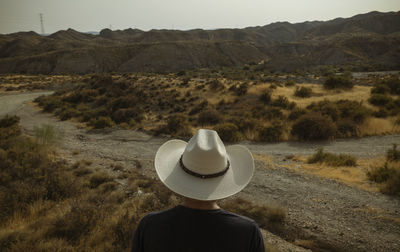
(271, 133)
(314, 127)
(380, 100)
(290, 83)
(9, 128)
(101, 122)
(228, 132)
(47, 134)
(200, 107)
(49, 103)
(380, 89)
(342, 109)
(332, 159)
(98, 179)
(127, 114)
(296, 113)
(210, 117)
(394, 85)
(303, 92)
(245, 123)
(9, 121)
(215, 85)
(281, 101)
(76, 223)
(177, 124)
(28, 173)
(347, 128)
(123, 102)
(389, 176)
(393, 154)
(381, 113)
(242, 89)
(338, 81)
(265, 97)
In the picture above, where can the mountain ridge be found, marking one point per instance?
(365, 40)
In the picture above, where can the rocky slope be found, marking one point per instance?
(369, 40)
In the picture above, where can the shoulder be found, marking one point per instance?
(239, 220)
(155, 216)
(239, 217)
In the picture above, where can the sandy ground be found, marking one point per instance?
(342, 216)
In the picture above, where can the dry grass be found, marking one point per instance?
(379, 126)
(352, 176)
(267, 160)
(358, 93)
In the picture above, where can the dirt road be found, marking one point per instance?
(344, 217)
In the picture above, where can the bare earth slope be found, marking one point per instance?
(368, 40)
(344, 217)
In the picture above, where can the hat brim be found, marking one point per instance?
(177, 180)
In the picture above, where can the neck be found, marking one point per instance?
(200, 204)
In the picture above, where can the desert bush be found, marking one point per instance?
(79, 221)
(347, 128)
(245, 123)
(314, 127)
(28, 174)
(393, 154)
(380, 99)
(127, 114)
(200, 107)
(101, 122)
(49, 103)
(281, 101)
(381, 113)
(265, 97)
(388, 175)
(178, 124)
(303, 92)
(380, 89)
(242, 89)
(393, 84)
(352, 110)
(123, 102)
(215, 85)
(210, 117)
(9, 121)
(338, 82)
(269, 113)
(332, 159)
(342, 109)
(290, 83)
(296, 113)
(67, 113)
(47, 134)
(9, 128)
(271, 133)
(228, 132)
(99, 178)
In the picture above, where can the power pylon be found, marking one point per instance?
(41, 23)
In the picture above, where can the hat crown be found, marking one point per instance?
(205, 153)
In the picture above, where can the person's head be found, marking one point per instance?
(204, 169)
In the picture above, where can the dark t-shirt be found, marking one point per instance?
(183, 229)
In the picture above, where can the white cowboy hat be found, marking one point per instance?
(203, 168)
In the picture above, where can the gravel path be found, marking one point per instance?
(344, 217)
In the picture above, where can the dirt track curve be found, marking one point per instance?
(345, 217)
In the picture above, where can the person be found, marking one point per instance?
(202, 171)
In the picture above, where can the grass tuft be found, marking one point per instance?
(332, 159)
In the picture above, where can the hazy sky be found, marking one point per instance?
(94, 15)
